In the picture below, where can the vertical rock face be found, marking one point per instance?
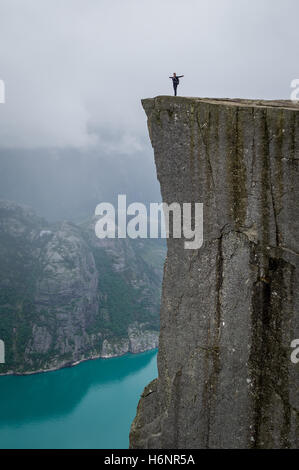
(229, 310)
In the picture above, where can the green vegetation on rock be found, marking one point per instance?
(66, 296)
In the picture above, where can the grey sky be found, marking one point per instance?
(75, 70)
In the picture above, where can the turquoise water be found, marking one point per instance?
(90, 406)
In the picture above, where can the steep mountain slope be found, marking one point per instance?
(66, 296)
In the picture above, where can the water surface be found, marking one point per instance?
(89, 406)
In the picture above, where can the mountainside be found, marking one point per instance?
(66, 296)
(230, 309)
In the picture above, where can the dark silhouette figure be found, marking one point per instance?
(175, 81)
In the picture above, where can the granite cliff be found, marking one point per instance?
(66, 296)
(230, 309)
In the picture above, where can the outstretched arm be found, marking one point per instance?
(180, 76)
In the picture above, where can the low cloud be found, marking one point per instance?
(76, 70)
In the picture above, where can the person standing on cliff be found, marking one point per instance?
(175, 81)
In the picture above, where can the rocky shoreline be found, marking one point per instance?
(76, 363)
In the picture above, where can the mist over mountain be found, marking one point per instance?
(103, 302)
(68, 183)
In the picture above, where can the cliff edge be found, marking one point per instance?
(230, 309)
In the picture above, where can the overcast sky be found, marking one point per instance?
(75, 70)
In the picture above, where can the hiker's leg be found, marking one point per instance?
(175, 87)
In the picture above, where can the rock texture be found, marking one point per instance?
(66, 296)
(229, 310)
